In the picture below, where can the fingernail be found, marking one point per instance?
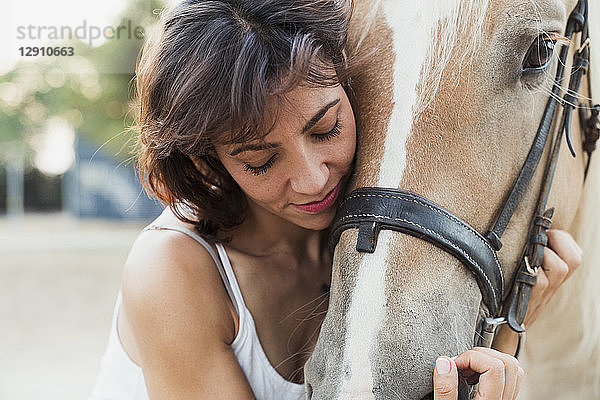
(579, 248)
(442, 366)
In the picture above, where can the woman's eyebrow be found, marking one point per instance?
(264, 146)
(253, 147)
(319, 115)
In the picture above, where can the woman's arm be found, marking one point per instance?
(181, 320)
(561, 258)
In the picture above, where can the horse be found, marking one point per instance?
(448, 103)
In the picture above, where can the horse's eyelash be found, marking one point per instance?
(557, 38)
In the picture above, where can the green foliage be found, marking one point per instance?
(92, 90)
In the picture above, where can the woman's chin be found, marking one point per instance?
(316, 222)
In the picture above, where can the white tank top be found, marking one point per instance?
(120, 378)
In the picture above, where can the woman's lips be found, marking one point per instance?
(318, 206)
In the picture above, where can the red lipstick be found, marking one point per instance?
(316, 207)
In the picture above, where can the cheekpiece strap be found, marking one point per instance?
(527, 273)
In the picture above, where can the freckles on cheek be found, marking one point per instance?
(349, 155)
(272, 189)
(264, 191)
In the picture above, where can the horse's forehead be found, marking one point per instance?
(530, 12)
(418, 40)
(536, 9)
(407, 141)
(412, 27)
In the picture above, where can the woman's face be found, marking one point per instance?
(298, 171)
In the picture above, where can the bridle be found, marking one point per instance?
(371, 209)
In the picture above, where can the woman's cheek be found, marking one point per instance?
(266, 190)
(349, 149)
(250, 184)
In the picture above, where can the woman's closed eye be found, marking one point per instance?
(261, 169)
(335, 131)
(321, 137)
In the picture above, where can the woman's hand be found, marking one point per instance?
(499, 375)
(561, 259)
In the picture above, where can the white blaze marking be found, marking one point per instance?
(411, 26)
(365, 318)
(411, 23)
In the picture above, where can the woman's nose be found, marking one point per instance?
(309, 176)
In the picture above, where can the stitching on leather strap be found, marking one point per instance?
(445, 240)
(476, 234)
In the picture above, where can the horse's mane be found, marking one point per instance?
(575, 309)
(581, 294)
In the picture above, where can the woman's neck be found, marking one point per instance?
(263, 233)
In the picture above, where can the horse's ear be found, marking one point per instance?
(594, 27)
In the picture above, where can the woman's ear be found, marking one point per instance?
(208, 163)
(197, 162)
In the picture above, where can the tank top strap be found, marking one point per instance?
(235, 287)
(220, 258)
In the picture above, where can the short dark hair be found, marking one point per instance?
(207, 80)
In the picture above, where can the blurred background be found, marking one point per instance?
(70, 201)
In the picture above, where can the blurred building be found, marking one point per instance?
(97, 185)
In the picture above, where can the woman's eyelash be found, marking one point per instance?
(335, 131)
(256, 171)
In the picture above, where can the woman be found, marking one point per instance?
(247, 133)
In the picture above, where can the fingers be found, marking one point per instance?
(445, 379)
(555, 271)
(520, 375)
(565, 247)
(500, 374)
(550, 277)
(561, 259)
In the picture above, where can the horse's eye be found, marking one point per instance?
(539, 54)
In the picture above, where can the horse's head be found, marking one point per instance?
(448, 105)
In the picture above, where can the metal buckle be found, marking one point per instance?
(488, 330)
(532, 271)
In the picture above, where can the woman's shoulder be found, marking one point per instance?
(167, 244)
(168, 272)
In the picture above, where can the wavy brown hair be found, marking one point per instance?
(207, 80)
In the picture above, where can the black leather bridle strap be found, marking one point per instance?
(591, 127)
(534, 156)
(408, 212)
(531, 262)
(590, 123)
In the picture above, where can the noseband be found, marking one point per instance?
(371, 209)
